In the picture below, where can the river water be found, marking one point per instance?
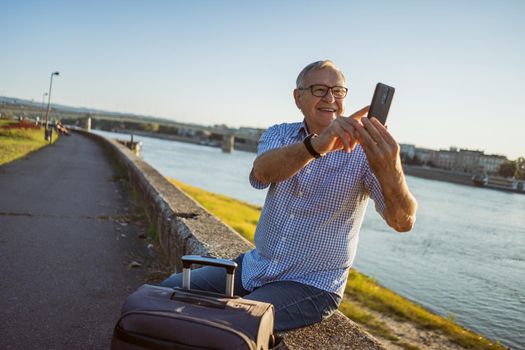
(465, 257)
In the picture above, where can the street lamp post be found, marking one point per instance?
(42, 108)
(48, 102)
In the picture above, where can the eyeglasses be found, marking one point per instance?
(320, 90)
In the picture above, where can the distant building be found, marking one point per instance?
(411, 154)
(423, 155)
(254, 132)
(464, 160)
(491, 163)
(444, 159)
(407, 151)
(467, 161)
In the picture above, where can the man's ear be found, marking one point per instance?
(297, 98)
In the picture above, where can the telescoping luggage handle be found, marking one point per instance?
(229, 265)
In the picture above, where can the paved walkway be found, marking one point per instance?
(64, 251)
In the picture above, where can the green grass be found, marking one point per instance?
(17, 143)
(7, 122)
(241, 216)
(371, 294)
(361, 316)
(366, 291)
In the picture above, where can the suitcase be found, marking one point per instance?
(155, 317)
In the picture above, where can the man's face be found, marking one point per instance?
(320, 111)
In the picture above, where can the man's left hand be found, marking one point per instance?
(382, 153)
(381, 149)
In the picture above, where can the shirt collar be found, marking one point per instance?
(303, 129)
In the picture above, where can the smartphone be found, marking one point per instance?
(381, 101)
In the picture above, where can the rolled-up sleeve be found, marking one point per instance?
(374, 189)
(270, 139)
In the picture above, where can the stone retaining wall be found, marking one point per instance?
(438, 174)
(185, 227)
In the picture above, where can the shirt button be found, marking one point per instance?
(292, 216)
(308, 171)
(300, 193)
(283, 239)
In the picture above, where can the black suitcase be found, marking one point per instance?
(155, 317)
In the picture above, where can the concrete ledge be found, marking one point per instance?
(185, 227)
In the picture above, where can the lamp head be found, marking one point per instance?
(56, 73)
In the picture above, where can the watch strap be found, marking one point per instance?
(308, 144)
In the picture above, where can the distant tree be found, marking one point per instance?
(507, 169)
(520, 168)
(151, 127)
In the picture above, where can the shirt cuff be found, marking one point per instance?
(256, 183)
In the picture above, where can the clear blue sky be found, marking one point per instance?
(457, 65)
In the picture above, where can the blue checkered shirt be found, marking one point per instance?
(309, 225)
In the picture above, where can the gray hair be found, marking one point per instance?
(317, 66)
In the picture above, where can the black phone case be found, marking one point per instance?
(381, 102)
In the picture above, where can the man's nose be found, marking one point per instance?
(329, 97)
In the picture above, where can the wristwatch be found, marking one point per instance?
(308, 144)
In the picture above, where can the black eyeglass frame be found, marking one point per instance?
(328, 88)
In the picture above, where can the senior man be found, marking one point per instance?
(321, 172)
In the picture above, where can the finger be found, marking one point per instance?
(360, 113)
(383, 130)
(351, 139)
(364, 138)
(344, 123)
(373, 130)
(341, 134)
(349, 129)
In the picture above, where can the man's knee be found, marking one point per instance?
(296, 305)
(172, 281)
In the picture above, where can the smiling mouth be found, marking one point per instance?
(329, 110)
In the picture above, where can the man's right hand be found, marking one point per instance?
(280, 164)
(339, 134)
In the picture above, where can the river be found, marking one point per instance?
(465, 257)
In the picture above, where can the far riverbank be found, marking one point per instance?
(494, 182)
(417, 171)
(438, 174)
